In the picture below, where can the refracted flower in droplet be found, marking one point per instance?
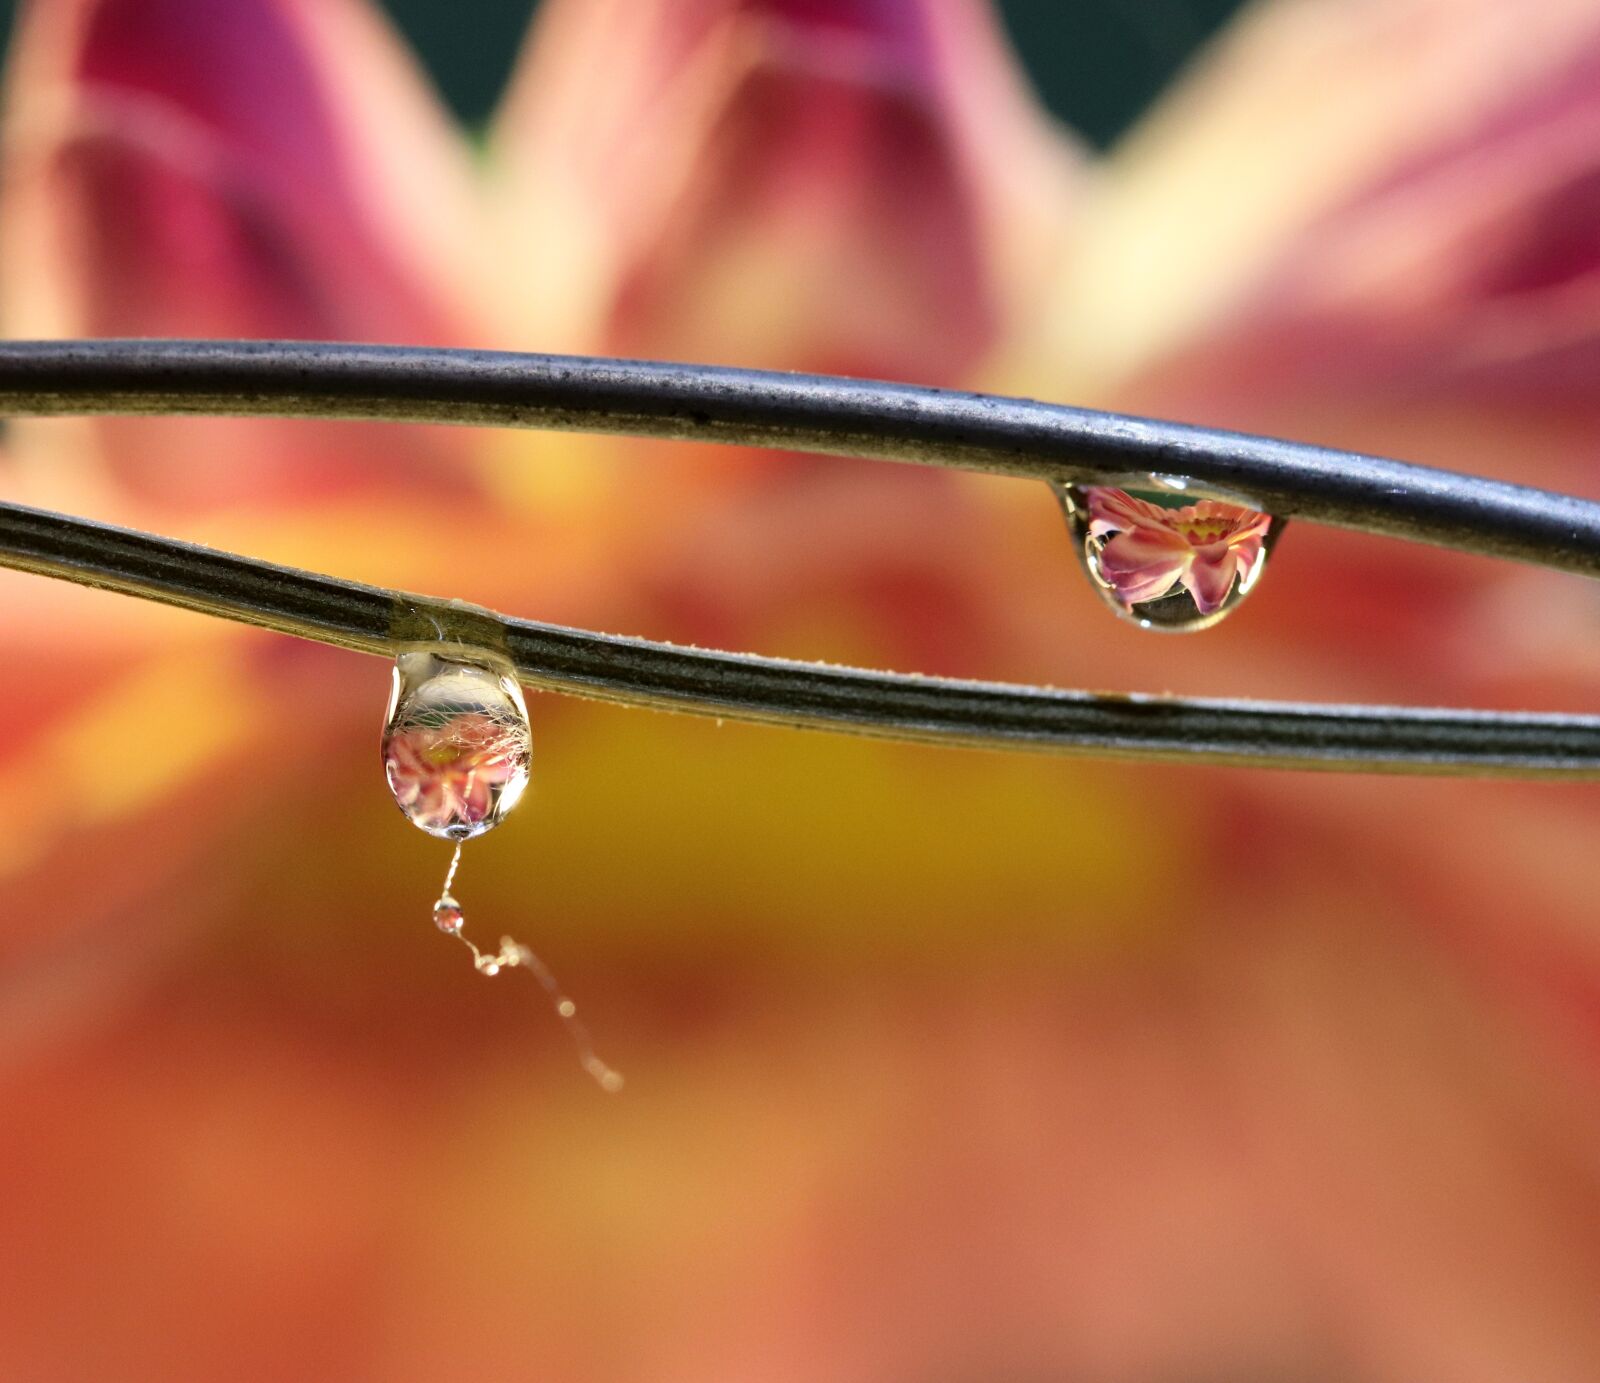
(1164, 561)
(456, 745)
(456, 750)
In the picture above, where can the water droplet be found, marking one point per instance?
(447, 915)
(456, 750)
(456, 745)
(1163, 559)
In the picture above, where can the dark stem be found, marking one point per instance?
(745, 687)
(895, 422)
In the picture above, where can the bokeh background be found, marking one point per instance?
(943, 1066)
(1095, 64)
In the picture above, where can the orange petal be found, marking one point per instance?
(1370, 224)
(803, 183)
(1390, 214)
(228, 168)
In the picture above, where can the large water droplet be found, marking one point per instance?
(456, 745)
(1163, 559)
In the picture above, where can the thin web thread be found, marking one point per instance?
(513, 953)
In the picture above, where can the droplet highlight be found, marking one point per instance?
(1161, 558)
(456, 744)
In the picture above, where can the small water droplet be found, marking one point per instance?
(447, 915)
(456, 750)
(456, 745)
(1161, 558)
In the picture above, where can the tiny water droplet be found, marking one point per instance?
(1161, 558)
(456, 745)
(447, 915)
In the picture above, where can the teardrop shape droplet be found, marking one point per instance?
(1161, 558)
(456, 745)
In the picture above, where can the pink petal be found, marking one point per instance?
(1245, 556)
(475, 797)
(1112, 510)
(1144, 563)
(1209, 578)
(780, 183)
(228, 168)
(497, 769)
(1418, 240)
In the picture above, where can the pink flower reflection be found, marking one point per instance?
(1201, 547)
(453, 775)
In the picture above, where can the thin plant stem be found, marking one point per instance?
(793, 412)
(742, 686)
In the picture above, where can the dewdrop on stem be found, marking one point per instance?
(456, 745)
(456, 752)
(1163, 558)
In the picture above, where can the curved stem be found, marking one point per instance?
(894, 422)
(637, 672)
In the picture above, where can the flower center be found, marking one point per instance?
(444, 753)
(1201, 532)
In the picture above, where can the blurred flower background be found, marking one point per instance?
(942, 1066)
